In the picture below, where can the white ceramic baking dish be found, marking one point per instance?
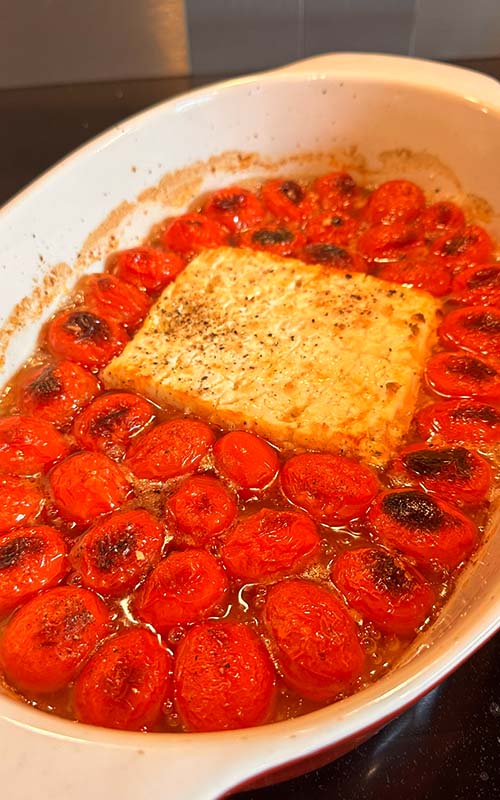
(379, 116)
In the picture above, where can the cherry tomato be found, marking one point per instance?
(57, 392)
(273, 238)
(478, 286)
(462, 375)
(112, 421)
(422, 274)
(113, 298)
(441, 218)
(452, 472)
(85, 337)
(191, 233)
(470, 246)
(235, 208)
(473, 328)
(202, 508)
(29, 445)
(384, 243)
(224, 678)
(331, 228)
(459, 421)
(186, 586)
(287, 200)
(315, 639)
(47, 640)
(247, 461)
(147, 267)
(332, 489)
(116, 553)
(125, 683)
(395, 201)
(21, 501)
(30, 559)
(170, 449)
(86, 485)
(336, 191)
(269, 544)
(422, 527)
(331, 255)
(385, 590)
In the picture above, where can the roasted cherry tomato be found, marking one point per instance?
(470, 246)
(422, 527)
(459, 421)
(170, 449)
(287, 200)
(478, 286)
(247, 461)
(331, 228)
(29, 445)
(441, 218)
(116, 553)
(274, 238)
(224, 678)
(384, 243)
(451, 472)
(112, 421)
(331, 255)
(332, 489)
(56, 393)
(85, 337)
(473, 328)
(270, 544)
(86, 485)
(423, 274)
(125, 683)
(336, 191)
(463, 375)
(147, 267)
(191, 233)
(395, 201)
(113, 298)
(30, 559)
(315, 639)
(21, 501)
(385, 590)
(184, 587)
(235, 208)
(201, 508)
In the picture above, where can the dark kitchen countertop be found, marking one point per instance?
(448, 745)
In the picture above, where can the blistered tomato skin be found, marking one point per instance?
(47, 640)
(478, 286)
(224, 678)
(281, 240)
(235, 208)
(201, 508)
(336, 191)
(21, 502)
(332, 489)
(112, 421)
(287, 200)
(170, 449)
(125, 682)
(386, 243)
(472, 245)
(331, 228)
(184, 587)
(270, 544)
(147, 267)
(422, 274)
(56, 393)
(247, 461)
(331, 255)
(116, 553)
(472, 328)
(85, 337)
(441, 218)
(29, 446)
(116, 299)
(31, 558)
(419, 525)
(395, 201)
(461, 374)
(314, 638)
(191, 233)
(459, 421)
(385, 590)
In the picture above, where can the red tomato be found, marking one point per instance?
(287, 200)
(269, 544)
(85, 337)
(473, 328)
(86, 485)
(224, 678)
(185, 587)
(112, 298)
(336, 191)
(385, 590)
(56, 393)
(425, 274)
(452, 472)
(462, 375)
(116, 553)
(315, 639)
(125, 683)
(170, 449)
(331, 255)
(459, 421)
(30, 559)
(440, 218)
(47, 640)
(112, 421)
(422, 527)
(387, 242)
(470, 246)
(332, 489)
(336, 228)
(276, 239)
(191, 233)
(29, 445)
(235, 208)
(395, 201)
(478, 286)
(202, 508)
(147, 267)
(21, 501)
(247, 461)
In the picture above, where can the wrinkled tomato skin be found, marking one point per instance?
(125, 683)
(86, 338)
(21, 502)
(113, 298)
(472, 328)
(336, 228)
(472, 245)
(270, 544)
(314, 638)
(149, 268)
(224, 678)
(386, 591)
(191, 233)
(31, 558)
(441, 218)
(280, 240)
(459, 421)
(247, 461)
(56, 393)
(426, 275)
(386, 243)
(201, 508)
(336, 191)
(29, 446)
(235, 208)
(332, 489)
(170, 449)
(47, 640)
(287, 200)
(115, 554)
(395, 201)
(478, 286)
(460, 374)
(112, 421)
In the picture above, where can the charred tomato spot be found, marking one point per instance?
(334, 222)
(471, 367)
(83, 326)
(458, 245)
(414, 510)
(266, 236)
(484, 277)
(292, 191)
(486, 323)
(388, 575)
(432, 463)
(329, 254)
(111, 549)
(485, 414)
(345, 184)
(12, 552)
(69, 626)
(122, 678)
(46, 385)
(229, 203)
(105, 423)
